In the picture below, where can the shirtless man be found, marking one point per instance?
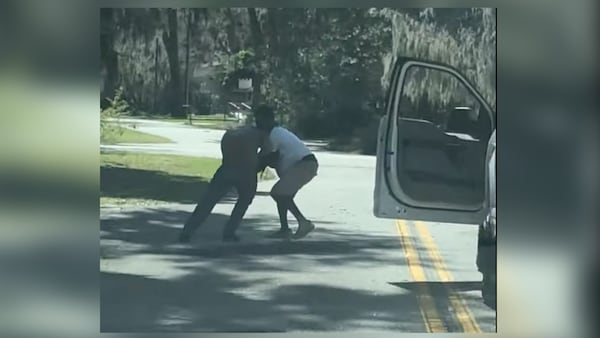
(239, 148)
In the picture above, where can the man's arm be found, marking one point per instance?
(267, 160)
(266, 145)
(268, 155)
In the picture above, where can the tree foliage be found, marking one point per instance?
(326, 70)
(117, 107)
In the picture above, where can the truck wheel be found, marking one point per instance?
(488, 291)
(486, 264)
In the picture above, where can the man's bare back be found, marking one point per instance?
(238, 170)
(239, 148)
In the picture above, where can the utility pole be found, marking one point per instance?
(155, 74)
(187, 66)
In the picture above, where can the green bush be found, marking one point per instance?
(110, 127)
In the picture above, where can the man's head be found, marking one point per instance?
(264, 117)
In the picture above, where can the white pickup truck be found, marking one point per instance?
(436, 156)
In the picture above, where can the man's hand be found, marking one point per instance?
(268, 160)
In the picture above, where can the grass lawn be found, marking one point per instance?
(150, 179)
(134, 136)
(215, 124)
(204, 121)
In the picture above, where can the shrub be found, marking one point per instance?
(109, 117)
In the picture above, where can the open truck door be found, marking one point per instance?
(432, 147)
(436, 156)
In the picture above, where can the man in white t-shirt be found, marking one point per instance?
(296, 166)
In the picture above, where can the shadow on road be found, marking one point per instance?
(458, 286)
(230, 287)
(139, 303)
(121, 182)
(154, 231)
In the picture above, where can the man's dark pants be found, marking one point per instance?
(221, 183)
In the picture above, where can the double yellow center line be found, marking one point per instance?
(428, 309)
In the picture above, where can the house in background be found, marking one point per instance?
(205, 81)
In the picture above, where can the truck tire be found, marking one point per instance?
(486, 264)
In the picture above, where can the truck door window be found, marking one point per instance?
(443, 131)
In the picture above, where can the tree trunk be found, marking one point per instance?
(257, 39)
(187, 66)
(171, 42)
(232, 38)
(108, 56)
(155, 93)
(274, 38)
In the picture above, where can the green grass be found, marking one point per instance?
(126, 135)
(202, 121)
(215, 124)
(150, 179)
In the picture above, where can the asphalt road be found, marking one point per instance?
(353, 273)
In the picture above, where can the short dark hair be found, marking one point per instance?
(265, 112)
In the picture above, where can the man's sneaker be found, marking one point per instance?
(304, 228)
(282, 233)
